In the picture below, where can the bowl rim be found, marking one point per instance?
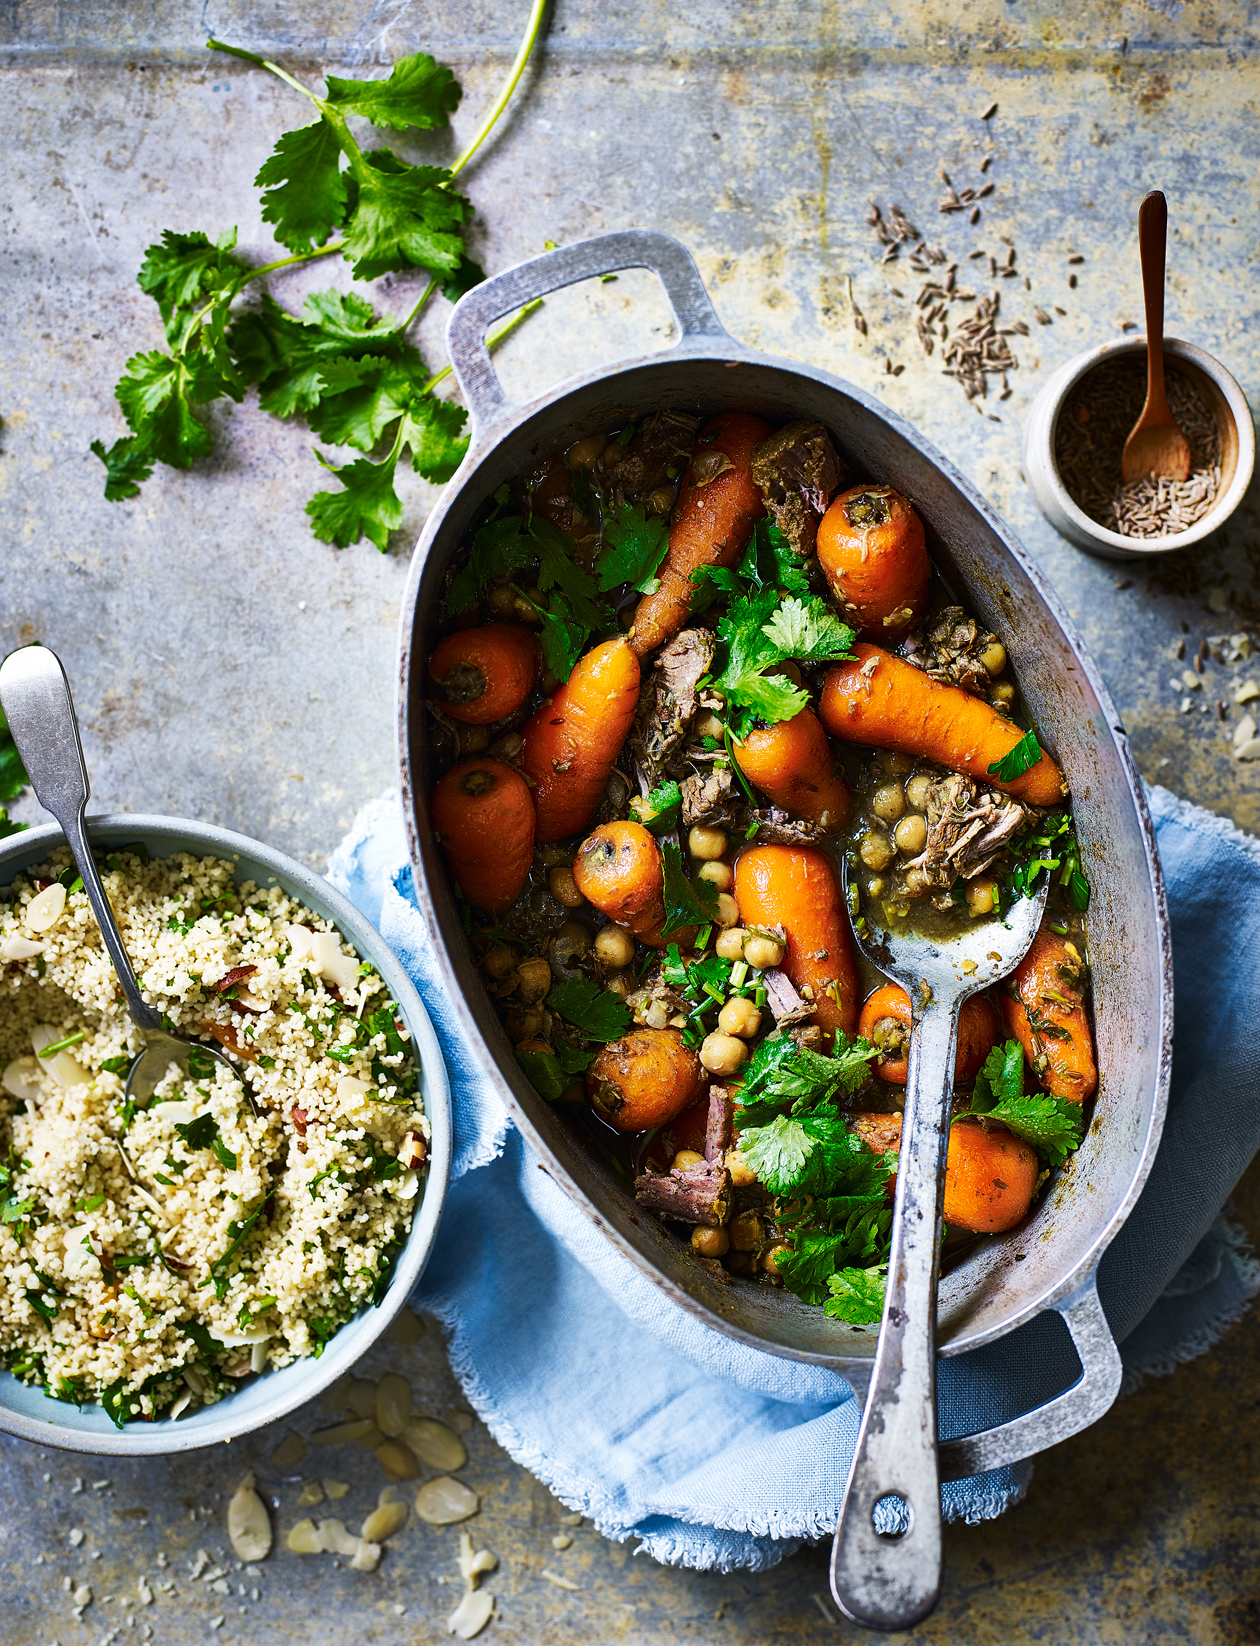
(1065, 379)
(311, 1375)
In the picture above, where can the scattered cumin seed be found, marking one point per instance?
(1072, 282)
(1042, 318)
(1058, 310)
(1027, 283)
(989, 112)
(986, 189)
(1076, 258)
(1185, 627)
(979, 252)
(973, 216)
(1181, 649)
(986, 162)
(1220, 709)
(1199, 667)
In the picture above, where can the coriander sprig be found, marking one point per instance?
(351, 373)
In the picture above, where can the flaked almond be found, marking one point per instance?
(46, 908)
(311, 1494)
(236, 975)
(335, 1488)
(471, 1615)
(367, 1556)
(61, 1066)
(21, 1080)
(334, 967)
(248, 1523)
(444, 1501)
(413, 1151)
(393, 1404)
(397, 1460)
(352, 1429)
(407, 1328)
(336, 1540)
(383, 1522)
(19, 948)
(304, 1538)
(435, 1444)
(361, 1397)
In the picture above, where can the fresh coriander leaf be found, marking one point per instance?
(817, 1253)
(403, 218)
(432, 428)
(181, 271)
(1049, 845)
(1022, 758)
(777, 1153)
(711, 583)
(563, 638)
(367, 397)
(661, 810)
(748, 689)
(633, 547)
(804, 629)
(558, 569)
(203, 1133)
(127, 464)
(543, 1073)
(498, 549)
(1052, 1125)
(117, 1065)
(306, 195)
(597, 1014)
(201, 1336)
(1001, 1078)
(816, 1154)
(465, 277)
(369, 506)
(769, 559)
(13, 778)
(572, 1059)
(687, 902)
(14, 1210)
(857, 1295)
(417, 92)
(782, 1072)
(1078, 890)
(336, 346)
(154, 399)
(240, 1230)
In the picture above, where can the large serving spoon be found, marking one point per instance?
(1156, 447)
(35, 695)
(886, 1561)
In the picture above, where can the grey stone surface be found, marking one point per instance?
(230, 667)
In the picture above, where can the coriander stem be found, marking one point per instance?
(415, 313)
(532, 29)
(494, 339)
(287, 262)
(265, 63)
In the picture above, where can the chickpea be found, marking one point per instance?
(523, 1025)
(622, 984)
(614, 946)
(875, 885)
(727, 910)
(501, 602)
(981, 896)
(506, 748)
(763, 954)
(718, 874)
(473, 740)
(533, 981)
(551, 857)
(788, 671)
(584, 454)
(524, 610)
(993, 658)
(889, 802)
(730, 943)
(685, 1159)
(910, 835)
(499, 961)
(897, 764)
(723, 1054)
(742, 1174)
(747, 1232)
(875, 849)
(770, 1260)
(916, 883)
(710, 1242)
(917, 791)
(1003, 693)
(564, 888)
(568, 946)
(661, 501)
(705, 843)
(739, 1017)
(708, 725)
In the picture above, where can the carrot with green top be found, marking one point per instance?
(572, 741)
(718, 506)
(792, 764)
(484, 821)
(885, 703)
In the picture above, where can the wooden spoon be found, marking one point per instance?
(1156, 447)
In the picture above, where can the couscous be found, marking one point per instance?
(150, 1258)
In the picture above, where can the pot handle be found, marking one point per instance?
(1067, 1414)
(474, 314)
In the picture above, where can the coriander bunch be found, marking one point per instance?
(349, 372)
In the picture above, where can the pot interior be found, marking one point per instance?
(1006, 1280)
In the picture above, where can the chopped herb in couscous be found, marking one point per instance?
(151, 1258)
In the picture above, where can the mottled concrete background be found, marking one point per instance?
(229, 667)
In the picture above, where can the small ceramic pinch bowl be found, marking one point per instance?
(25, 1410)
(1233, 419)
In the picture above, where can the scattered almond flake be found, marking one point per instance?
(335, 1488)
(399, 1609)
(1245, 691)
(248, 1523)
(561, 1582)
(444, 1501)
(77, 1534)
(200, 1563)
(574, 1519)
(989, 112)
(103, 1485)
(290, 1451)
(78, 1485)
(221, 1587)
(1191, 681)
(367, 1556)
(397, 1460)
(406, 1328)
(304, 1538)
(213, 1575)
(383, 1522)
(473, 1564)
(1248, 751)
(472, 1614)
(564, 1540)
(337, 1394)
(434, 1444)
(1186, 705)
(1218, 600)
(312, 1492)
(362, 1397)
(144, 1591)
(338, 1433)
(82, 1596)
(335, 1539)
(160, 1557)
(217, 1622)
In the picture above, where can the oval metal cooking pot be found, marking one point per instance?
(1051, 1261)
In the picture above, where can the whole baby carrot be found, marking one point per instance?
(572, 741)
(484, 820)
(796, 887)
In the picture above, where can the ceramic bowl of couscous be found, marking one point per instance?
(175, 1275)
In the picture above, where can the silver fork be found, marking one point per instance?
(891, 1579)
(35, 694)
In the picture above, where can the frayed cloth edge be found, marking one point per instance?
(1201, 1339)
(1196, 817)
(367, 820)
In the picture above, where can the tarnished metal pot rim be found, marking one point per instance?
(1056, 1254)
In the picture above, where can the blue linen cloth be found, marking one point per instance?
(715, 1455)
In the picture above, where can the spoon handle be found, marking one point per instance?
(40, 710)
(879, 1580)
(1152, 245)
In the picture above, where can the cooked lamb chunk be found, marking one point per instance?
(668, 704)
(948, 647)
(776, 828)
(718, 1129)
(879, 1132)
(663, 443)
(783, 1000)
(968, 828)
(708, 798)
(799, 473)
(700, 1195)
